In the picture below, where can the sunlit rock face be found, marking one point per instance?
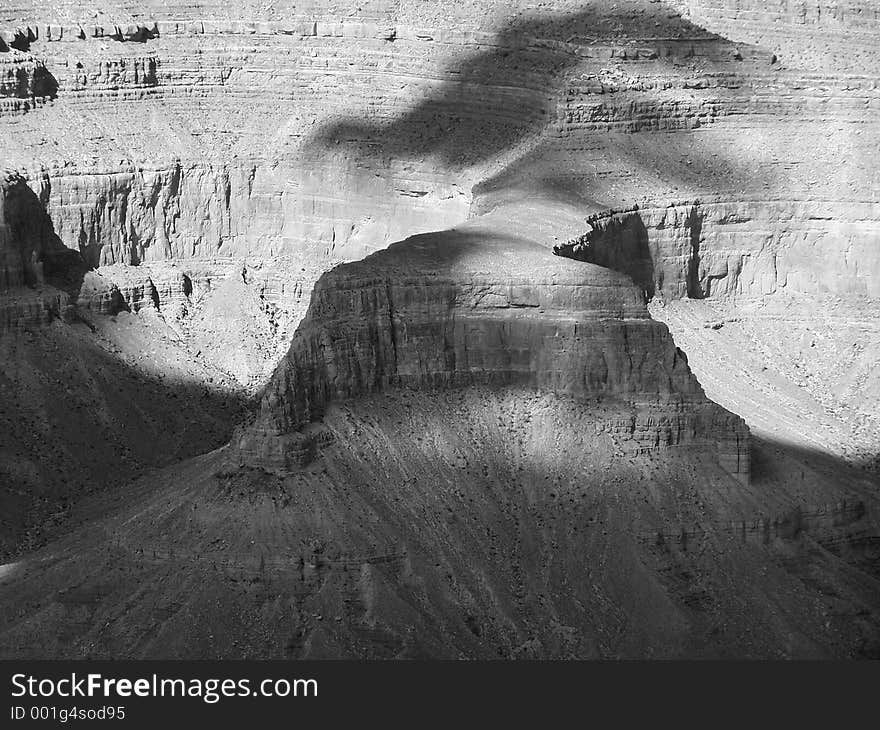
(318, 133)
(300, 255)
(465, 307)
(738, 250)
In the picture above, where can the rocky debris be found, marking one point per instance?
(91, 403)
(812, 381)
(23, 309)
(100, 295)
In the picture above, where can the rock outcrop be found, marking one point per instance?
(32, 260)
(732, 250)
(469, 447)
(465, 307)
(22, 237)
(252, 132)
(233, 141)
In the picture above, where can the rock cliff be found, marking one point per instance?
(738, 250)
(465, 307)
(463, 446)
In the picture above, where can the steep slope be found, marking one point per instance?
(472, 449)
(809, 383)
(80, 414)
(184, 174)
(86, 401)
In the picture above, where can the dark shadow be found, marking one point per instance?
(505, 95)
(135, 34)
(769, 459)
(38, 82)
(44, 84)
(84, 420)
(695, 224)
(22, 39)
(817, 546)
(491, 530)
(32, 80)
(615, 242)
(832, 501)
(44, 257)
(619, 240)
(502, 95)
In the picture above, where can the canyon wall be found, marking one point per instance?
(462, 308)
(801, 217)
(823, 34)
(203, 160)
(350, 211)
(30, 256)
(199, 132)
(210, 163)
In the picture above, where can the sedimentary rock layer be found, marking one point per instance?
(727, 249)
(209, 160)
(32, 260)
(463, 308)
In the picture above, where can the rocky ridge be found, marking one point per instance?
(462, 308)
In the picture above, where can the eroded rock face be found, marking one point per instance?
(838, 35)
(298, 130)
(462, 308)
(23, 78)
(727, 250)
(33, 262)
(191, 179)
(22, 237)
(479, 420)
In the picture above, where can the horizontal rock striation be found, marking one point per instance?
(23, 77)
(297, 129)
(187, 143)
(29, 249)
(461, 309)
(744, 249)
(827, 34)
(204, 138)
(487, 419)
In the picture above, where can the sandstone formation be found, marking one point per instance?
(729, 250)
(462, 308)
(318, 238)
(195, 170)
